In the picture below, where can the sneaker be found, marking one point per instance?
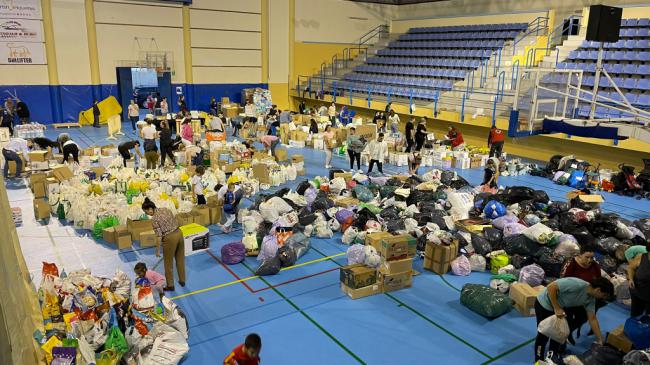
(360, 171)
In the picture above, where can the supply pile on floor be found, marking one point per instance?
(90, 319)
(98, 198)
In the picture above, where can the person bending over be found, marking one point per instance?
(638, 275)
(125, 150)
(566, 293)
(70, 148)
(157, 281)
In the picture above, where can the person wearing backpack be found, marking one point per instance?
(231, 198)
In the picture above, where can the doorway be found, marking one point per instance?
(145, 86)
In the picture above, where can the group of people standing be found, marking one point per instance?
(13, 112)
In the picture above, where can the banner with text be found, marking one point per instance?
(21, 30)
(22, 53)
(20, 9)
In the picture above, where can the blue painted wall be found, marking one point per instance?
(75, 98)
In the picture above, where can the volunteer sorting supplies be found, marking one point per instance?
(94, 319)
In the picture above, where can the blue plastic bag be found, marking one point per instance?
(637, 329)
(577, 179)
(494, 209)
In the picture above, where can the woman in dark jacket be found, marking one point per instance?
(408, 131)
(420, 135)
(166, 144)
(23, 112)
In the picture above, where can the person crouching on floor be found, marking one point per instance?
(230, 198)
(157, 281)
(247, 353)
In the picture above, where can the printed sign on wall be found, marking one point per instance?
(22, 53)
(20, 9)
(21, 30)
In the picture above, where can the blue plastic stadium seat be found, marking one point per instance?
(642, 32)
(643, 22)
(629, 83)
(643, 100)
(643, 84)
(632, 98)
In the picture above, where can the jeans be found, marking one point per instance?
(372, 164)
(12, 156)
(409, 145)
(354, 155)
(134, 120)
(495, 149)
(273, 145)
(126, 155)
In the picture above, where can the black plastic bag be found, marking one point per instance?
(389, 213)
(287, 256)
(551, 263)
(414, 180)
(462, 242)
(516, 194)
(608, 245)
(321, 203)
(494, 236)
(302, 187)
(422, 242)
(393, 181)
(459, 183)
(521, 245)
(581, 234)
(291, 203)
(481, 245)
(280, 193)
(261, 198)
(553, 224)
(446, 177)
(417, 196)
(427, 206)
(602, 355)
(363, 216)
(305, 217)
(298, 242)
(519, 261)
(526, 206)
(540, 196)
(607, 263)
(644, 226)
(557, 208)
(604, 225)
(394, 225)
(270, 266)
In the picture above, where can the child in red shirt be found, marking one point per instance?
(246, 354)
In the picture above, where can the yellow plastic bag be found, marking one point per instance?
(49, 345)
(108, 357)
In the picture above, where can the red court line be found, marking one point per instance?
(296, 279)
(230, 271)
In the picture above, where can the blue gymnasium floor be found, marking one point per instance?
(301, 312)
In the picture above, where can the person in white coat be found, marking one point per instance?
(378, 151)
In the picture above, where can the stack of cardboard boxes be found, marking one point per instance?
(524, 296)
(395, 271)
(438, 258)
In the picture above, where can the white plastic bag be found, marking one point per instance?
(349, 235)
(169, 346)
(477, 262)
(273, 208)
(539, 233)
(250, 242)
(356, 254)
(461, 203)
(175, 317)
(372, 257)
(554, 328)
(335, 226)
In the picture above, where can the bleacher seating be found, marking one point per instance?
(425, 61)
(627, 61)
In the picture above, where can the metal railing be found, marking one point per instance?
(515, 74)
(378, 31)
(556, 36)
(539, 26)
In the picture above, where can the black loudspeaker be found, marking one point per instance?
(604, 23)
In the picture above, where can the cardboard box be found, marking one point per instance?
(262, 173)
(41, 209)
(88, 152)
(225, 100)
(376, 237)
(107, 150)
(51, 186)
(396, 266)
(135, 227)
(396, 281)
(231, 167)
(12, 166)
(299, 136)
(201, 215)
(215, 213)
(37, 156)
(281, 154)
(357, 276)
(148, 239)
(39, 189)
(123, 241)
(184, 219)
(36, 178)
(366, 131)
(524, 297)
(108, 234)
(62, 173)
(300, 172)
(476, 162)
(593, 200)
(297, 158)
(4, 134)
(618, 339)
(99, 171)
(346, 202)
(437, 258)
(396, 247)
(347, 176)
(361, 292)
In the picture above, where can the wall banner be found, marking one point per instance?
(22, 53)
(20, 9)
(21, 30)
